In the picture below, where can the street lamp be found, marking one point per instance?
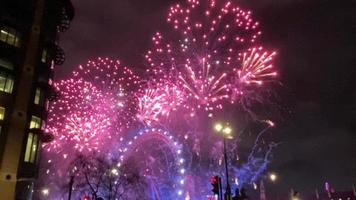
(218, 127)
(114, 172)
(273, 177)
(226, 131)
(45, 191)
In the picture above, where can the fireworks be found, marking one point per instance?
(150, 106)
(78, 117)
(157, 101)
(93, 106)
(207, 60)
(256, 67)
(212, 54)
(118, 83)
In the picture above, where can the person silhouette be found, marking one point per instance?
(237, 194)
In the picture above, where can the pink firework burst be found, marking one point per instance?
(204, 58)
(95, 105)
(256, 68)
(78, 118)
(157, 101)
(118, 83)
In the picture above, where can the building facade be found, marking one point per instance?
(29, 51)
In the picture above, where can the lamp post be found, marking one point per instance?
(272, 176)
(70, 188)
(226, 130)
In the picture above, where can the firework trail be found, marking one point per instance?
(248, 86)
(256, 67)
(257, 160)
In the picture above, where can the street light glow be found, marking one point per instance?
(114, 171)
(45, 191)
(218, 127)
(273, 177)
(227, 130)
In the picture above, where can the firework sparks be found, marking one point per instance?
(209, 52)
(256, 67)
(209, 59)
(94, 105)
(157, 102)
(78, 118)
(118, 83)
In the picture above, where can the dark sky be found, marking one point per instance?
(316, 41)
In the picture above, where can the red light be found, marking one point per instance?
(214, 179)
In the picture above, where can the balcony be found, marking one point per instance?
(52, 94)
(58, 14)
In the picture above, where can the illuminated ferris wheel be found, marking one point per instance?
(155, 155)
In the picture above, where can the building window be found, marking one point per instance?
(6, 64)
(10, 36)
(38, 96)
(44, 56)
(2, 113)
(31, 148)
(35, 122)
(6, 82)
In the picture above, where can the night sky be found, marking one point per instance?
(316, 41)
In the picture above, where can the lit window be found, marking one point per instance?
(2, 113)
(6, 64)
(31, 148)
(38, 96)
(44, 56)
(6, 82)
(35, 122)
(10, 36)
